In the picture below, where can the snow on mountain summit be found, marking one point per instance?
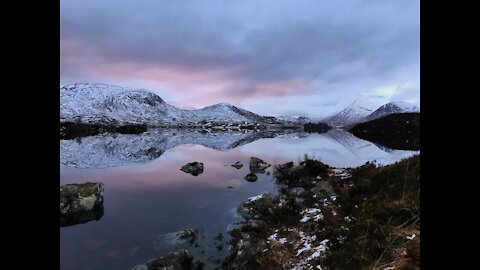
(392, 107)
(357, 110)
(110, 104)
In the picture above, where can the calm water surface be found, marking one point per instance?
(144, 201)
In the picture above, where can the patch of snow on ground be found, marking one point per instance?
(310, 213)
(342, 173)
(254, 198)
(306, 243)
(273, 237)
(411, 237)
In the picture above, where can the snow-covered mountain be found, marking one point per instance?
(357, 110)
(392, 107)
(109, 104)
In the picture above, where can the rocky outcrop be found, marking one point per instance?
(178, 260)
(80, 203)
(256, 208)
(257, 165)
(194, 168)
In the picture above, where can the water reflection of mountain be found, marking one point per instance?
(110, 150)
(337, 148)
(364, 149)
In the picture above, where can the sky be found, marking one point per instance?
(273, 57)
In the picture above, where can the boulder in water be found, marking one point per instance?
(257, 165)
(251, 177)
(80, 203)
(194, 168)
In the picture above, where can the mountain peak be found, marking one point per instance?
(368, 102)
(392, 107)
(358, 109)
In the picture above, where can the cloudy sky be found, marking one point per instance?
(274, 57)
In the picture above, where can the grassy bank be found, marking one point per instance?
(326, 218)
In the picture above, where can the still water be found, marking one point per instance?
(147, 197)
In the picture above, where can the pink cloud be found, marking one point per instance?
(191, 87)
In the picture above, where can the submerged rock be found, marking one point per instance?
(178, 260)
(80, 203)
(257, 165)
(251, 177)
(237, 165)
(180, 237)
(187, 235)
(194, 168)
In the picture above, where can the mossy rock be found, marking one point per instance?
(178, 260)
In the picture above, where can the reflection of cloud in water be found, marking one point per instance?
(165, 171)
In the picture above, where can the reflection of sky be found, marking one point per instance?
(145, 200)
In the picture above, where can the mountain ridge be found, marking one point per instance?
(366, 109)
(358, 109)
(390, 108)
(115, 105)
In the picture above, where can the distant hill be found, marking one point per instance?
(396, 131)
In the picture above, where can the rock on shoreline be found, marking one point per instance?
(80, 203)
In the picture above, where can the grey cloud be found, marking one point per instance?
(256, 42)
